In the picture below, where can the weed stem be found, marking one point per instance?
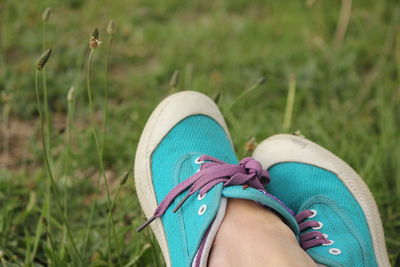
(45, 154)
(99, 151)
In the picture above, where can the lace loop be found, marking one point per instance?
(213, 171)
(313, 238)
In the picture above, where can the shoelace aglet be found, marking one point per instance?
(150, 220)
(181, 203)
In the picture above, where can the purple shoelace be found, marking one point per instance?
(248, 172)
(313, 238)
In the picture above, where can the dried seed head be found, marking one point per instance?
(96, 33)
(111, 27)
(41, 62)
(173, 83)
(124, 178)
(250, 145)
(46, 14)
(94, 41)
(71, 94)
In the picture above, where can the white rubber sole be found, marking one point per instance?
(168, 113)
(290, 148)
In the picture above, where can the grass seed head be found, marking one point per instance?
(71, 94)
(46, 14)
(250, 145)
(94, 41)
(111, 27)
(41, 62)
(217, 97)
(124, 178)
(96, 33)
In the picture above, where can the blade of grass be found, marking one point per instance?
(343, 23)
(188, 76)
(174, 81)
(289, 104)
(53, 250)
(250, 89)
(153, 247)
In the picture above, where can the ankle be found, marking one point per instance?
(248, 216)
(248, 231)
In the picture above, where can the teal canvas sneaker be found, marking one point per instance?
(185, 170)
(338, 218)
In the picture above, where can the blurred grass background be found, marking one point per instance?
(347, 99)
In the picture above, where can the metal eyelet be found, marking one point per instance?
(202, 209)
(198, 161)
(328, 244)
(200, 197)
(335, 251)
(320, 225)
(314, 213)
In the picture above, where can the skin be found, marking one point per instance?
(252, 235)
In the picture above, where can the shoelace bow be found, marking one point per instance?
(313, 238)
(248, 172)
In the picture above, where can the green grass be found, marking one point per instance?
(347, 97)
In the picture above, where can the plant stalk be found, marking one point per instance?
(50, 172)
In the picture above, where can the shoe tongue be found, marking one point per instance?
(264, 199)
(201, 258)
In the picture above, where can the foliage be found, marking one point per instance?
(347, 99)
